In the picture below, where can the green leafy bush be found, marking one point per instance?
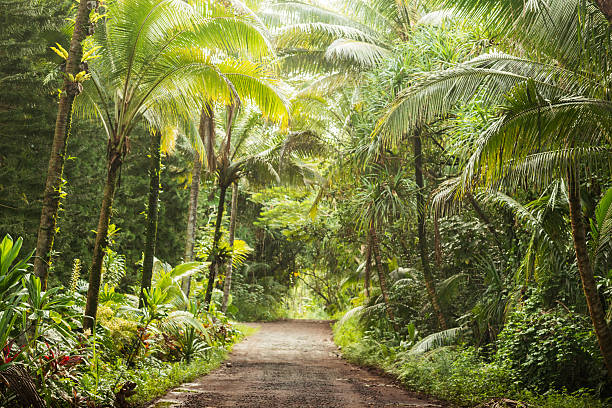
(256, 302)
(544, 349)
(459, 375)
(120, 330)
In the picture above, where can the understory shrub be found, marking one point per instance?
(544, 349)
(257, 301)
(121, 331)
(458, 374)
(145, 350)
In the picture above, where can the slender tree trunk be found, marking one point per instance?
(437, 243)
(206, 131)
(427, 275)
(606, 8)
(368, 265)
(596, 310)
(152, 215)
(213, 257)
(192, 217)
(53, 184)
(485, 220)
(382, 277)
(227, 285)
(225, 162)
(95, 273)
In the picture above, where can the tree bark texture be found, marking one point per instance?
(95, 273)
(427, 275)
(152, 215)
(227, 285)
(368, 265)
(192, 217)
(606, 8)
(55, 171)
(596, 309)
(437, 243)
(214, 252)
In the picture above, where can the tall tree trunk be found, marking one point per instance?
(95, 273)
(606, 8)
(382, 277)
(429, 281)
(192, 217)
(55, 171)
(437, 243)
(206, 131)
(152, 215)
(485, 220)
(368, 265)
(213, 257)
(596, 310)
(227, 285)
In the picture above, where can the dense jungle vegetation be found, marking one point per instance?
(435, 175)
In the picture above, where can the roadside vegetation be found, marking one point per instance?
(435, 175)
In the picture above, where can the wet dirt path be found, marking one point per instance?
(291, 364)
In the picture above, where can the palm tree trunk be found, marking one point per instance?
(596, 310)
(485, 220)
(206, 131)
(227, 285)
(53, 184)
(95, 273)
(437, 243)
(152, 215)
(192, 217)
(429, 281)
(213, 257)
(368, 266)
(382, 277)
(606, 8)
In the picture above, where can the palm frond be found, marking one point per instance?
(435, 340)
(601, 225)
(362, 53)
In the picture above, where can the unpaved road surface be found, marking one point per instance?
(291, 364)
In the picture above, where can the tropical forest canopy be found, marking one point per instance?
(434, 174)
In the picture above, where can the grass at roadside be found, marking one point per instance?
(456, 375)
(154, 382)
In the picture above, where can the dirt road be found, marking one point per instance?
(291, 364)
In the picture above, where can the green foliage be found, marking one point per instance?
(547, 349)
(506, 96)
(256, 302)
(28, 108)
(39, 330)
(120, 330)
(458, 375)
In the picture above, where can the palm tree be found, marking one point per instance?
(553, 113)
(264, 155)
(337, 42)
(267, 100)
(206, 126)
(227, 283)
(53, 185)
(555, 153)
(380, 198)
(152, 213)
(157, 59)
(394, 23)
(421, 214)
(261, 154)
